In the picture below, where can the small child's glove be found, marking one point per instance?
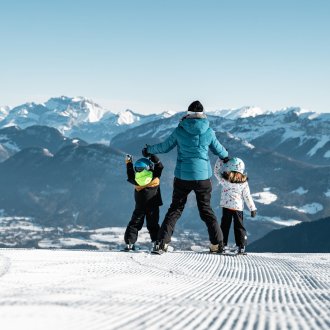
(225, 160)
(253, 213)
(128, 159)
(154, 158)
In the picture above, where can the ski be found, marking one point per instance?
(241, 254)
(135, 250)
(160, 252)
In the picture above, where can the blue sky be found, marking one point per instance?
(157, 55)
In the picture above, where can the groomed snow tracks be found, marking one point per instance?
(180, 290)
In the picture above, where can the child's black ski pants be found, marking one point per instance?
(139, 214)
(239, 230)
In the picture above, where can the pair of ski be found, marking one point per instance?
(158, 252)
(137, 250)
(228, 251)
(197, 249)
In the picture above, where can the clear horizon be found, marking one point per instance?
(154, 56)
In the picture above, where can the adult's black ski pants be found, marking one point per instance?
(181, 190)
(137, 220)
(239, 230)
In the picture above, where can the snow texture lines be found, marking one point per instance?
(181, 290)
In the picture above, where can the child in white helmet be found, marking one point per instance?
(234, 191)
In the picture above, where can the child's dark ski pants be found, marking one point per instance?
(152, 216)
(181, 190)
(239, 230)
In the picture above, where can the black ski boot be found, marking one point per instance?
(241, 250)
(159, 248)
(221, 248)
(155, 248)
(163, 246)
(129, 247)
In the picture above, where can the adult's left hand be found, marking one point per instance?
(145, 152)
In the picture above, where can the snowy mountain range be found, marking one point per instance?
(74, 117)
(295, 132)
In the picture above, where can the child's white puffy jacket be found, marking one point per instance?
(233, 195)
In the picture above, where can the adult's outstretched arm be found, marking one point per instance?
(164, 147)
(217, 148)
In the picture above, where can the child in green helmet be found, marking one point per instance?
(144, 174)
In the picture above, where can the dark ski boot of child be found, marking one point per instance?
(241, 250)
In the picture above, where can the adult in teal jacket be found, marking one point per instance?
(193, 138)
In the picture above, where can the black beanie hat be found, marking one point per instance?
(196, 106)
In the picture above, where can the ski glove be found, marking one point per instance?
(128, 159)
(253, 213)
(154, 158)
(226, 159)
(145, 152)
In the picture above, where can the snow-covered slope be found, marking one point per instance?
(42, 289)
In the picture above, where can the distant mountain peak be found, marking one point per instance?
(244, 112)
(77, 107)
(128, 117)
(4, 110)
(168, 114)
(296, 110)
(300, 112)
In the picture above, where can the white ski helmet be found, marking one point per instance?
(235, 164)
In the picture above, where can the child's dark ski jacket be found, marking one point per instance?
(148, 195)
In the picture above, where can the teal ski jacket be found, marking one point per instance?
(193, 138)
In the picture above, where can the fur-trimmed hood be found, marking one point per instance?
(195, 125)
